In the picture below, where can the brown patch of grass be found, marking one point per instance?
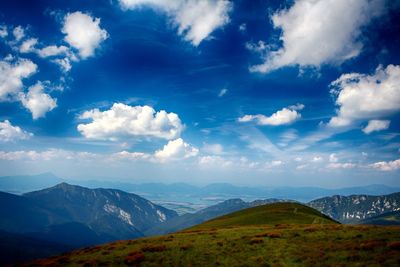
(154, 248)
(256, 240)
(186, 247)
(371, 245)
(281, 226)
(134, 258)
(394, 245)
(220, 243)
(265, 234)
(274, 235)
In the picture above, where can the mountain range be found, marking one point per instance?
(64, 217)
(185, 192)
(356, 208)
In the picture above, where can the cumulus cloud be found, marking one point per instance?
(3, 31)
(376, 125)
(361, 96)
(11, 76)
(38, 102)
(47, 155)
(122, 121)
(176, 149)
(18, 33)
(28, 45)
(10, 133)
(63, 63)
(282, 117)
(214, 161)
(83, 32)
(337, 165)
(131, 155)
(213, 148)
(53, 50)
(386, 165)
(317, 159)
(194, 19)
(316, 32)
(333, 158)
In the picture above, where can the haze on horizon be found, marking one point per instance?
(280, 93)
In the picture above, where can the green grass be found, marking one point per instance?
(251, 238)
(276, 213)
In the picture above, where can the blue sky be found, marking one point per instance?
(248, 92)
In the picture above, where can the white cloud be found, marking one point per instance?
(195, 19)
(214, 161)
(123, 121)
(83, 32)
(338, 165)
(242, 27)
(64, 63)
(11, 76)
(386, 165)
(287, 137)
(18, 33)
(317, 159)
(333, 158)
(176, 149)
(222, 92)
(281, 117)
(274, 163)
(361, 96)
(53, 50)
(28, 45)
(9, 133)
(131, 155)
(316, 32)
(215, 149)
(47, 155)
(376, 125)
(3, 31)
(38, 102)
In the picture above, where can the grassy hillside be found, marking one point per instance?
(276, 213)
(278, 234)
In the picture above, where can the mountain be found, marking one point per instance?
(390, 218)
(191, 219)
(280, 234)
(109, 212)
(74, 216)
(355, 208)
(26, 183)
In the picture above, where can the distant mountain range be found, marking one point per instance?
(356, 208)
(185, 192)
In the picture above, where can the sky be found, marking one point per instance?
(272, 93)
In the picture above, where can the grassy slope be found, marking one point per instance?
(276, 213)
(252, 238)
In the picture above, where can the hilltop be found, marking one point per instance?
(272, 234)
